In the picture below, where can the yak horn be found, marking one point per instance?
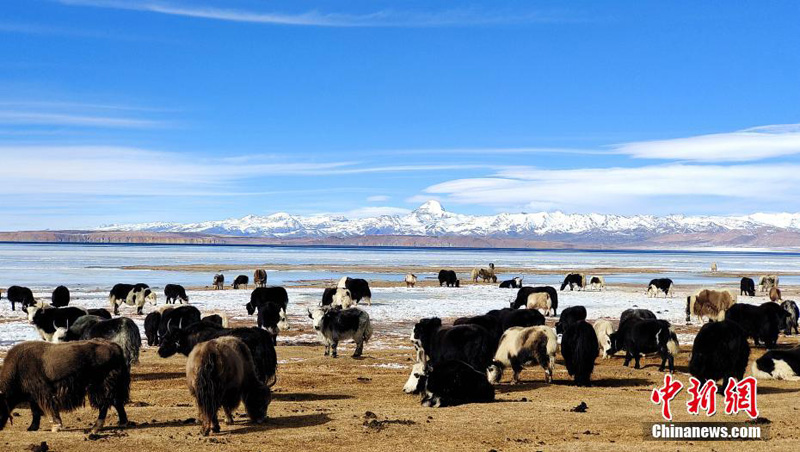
(180, 323)
(169, 325)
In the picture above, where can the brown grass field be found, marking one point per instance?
(320, 403)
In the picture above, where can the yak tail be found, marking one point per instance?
(206, 386)
(131, 343)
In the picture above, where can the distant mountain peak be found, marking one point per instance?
(431, 207)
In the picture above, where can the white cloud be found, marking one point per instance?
(745, 145)
(377, 198)
(65, 119)
(385, 18)
(636, 190)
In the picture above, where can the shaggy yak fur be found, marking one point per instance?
(220, 374)
(579, 348)
(121, 331)
(720, 352)
(53, 378)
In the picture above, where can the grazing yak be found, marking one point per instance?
(449, 278)
(747, 287)
(219, 281)
(60, 297)
(410, 280)
(767, 282)
(53, 378)
(337, 296)
(491, 323)
(121, 331)
(720, 351)
(521, 345)
(260, 278)
(708, 303)
(762, 323)
(603, 329)
(271, 304)
(359, 289)
(579, 347)
(151, 322)
(221, 374)
(515, 283)
(664, 285)
(597, 282)
(574, 280)
(792, 317)
(334, 325)
(47, 319)
(184, 340)
(524, 294)
(504, 319)
(454, 382)
(178, 317)
(570, 315)
(778, 365)
(485, 274)
(175, 292)
(241, 280)
(638, 337)
(713, 267)
(775, 294)
(132, 295)
(640, 314)
(22, 295)
(435, 343)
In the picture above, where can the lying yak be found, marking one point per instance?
(258, 341)
(454, 382)
(720, 351)
(710, 304)
(579, 349)
(22, 295)
(574, 280)
(778, 365)
(175, 292)
(334, 325)
(524, 294)
(60, 297)
(53, 378)
(221, 374)
(515, 283)
(121, 331)
(449, 278)
(519, 346)
(639, 337)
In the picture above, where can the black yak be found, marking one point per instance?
(579, 348)
(60, 297)
(720, 352)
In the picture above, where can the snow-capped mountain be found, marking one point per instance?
(431, 219)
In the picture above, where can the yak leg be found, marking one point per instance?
(334, 344)
(636, 358)
(228, 415)
(55, 420)
(327, 349)
(123, 416)
(359, 349)
(628, 357)
(37, 417)
(101, 419)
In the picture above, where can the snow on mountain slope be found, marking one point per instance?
(431, 219)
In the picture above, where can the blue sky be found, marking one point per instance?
(117, 111)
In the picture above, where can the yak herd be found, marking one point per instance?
(88, 353)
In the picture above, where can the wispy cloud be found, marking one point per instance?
(384, 18)
(632, 190)
(375, 211)
(745, 145)
(377, 198)
(18, 117)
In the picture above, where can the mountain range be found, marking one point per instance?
(431, 221)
